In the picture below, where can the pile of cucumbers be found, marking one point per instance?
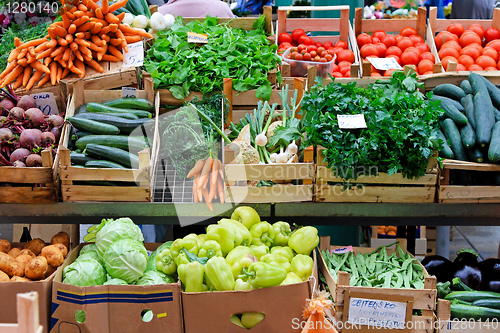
(475, 305)
(102, 136)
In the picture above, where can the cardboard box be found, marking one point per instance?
(209, 312)
(110, 309)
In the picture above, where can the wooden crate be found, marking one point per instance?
(27, 315)
(467, 193)
(423, 299)
(341, 25)
(381, 188)
(95, 193)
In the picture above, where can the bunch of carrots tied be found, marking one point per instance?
(87, 34)
(208, 181)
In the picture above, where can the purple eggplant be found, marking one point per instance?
(439, 266)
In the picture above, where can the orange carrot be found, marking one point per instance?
(215, 173)
(33, 43)
(18, 82)
(69, 39)
(220, 190)
(114, 51)
(75, 70)
(205, 171)
(51, 33)
(65, 73)
(22, 54)
(59, 74)
(80, 35)
(27, 75)
(196, 169)
(85, 51)
(119, 34)
(127, 29)
(66, 54)
(58, 51)
(36, 76)
(114, 27)
(106, 30)
(71, 16)
(111, 18)
(107, 57)
(8, 69)
(81, 66)
(53, 73)
(213, 187)
(64, 64)
(73, 46)
(72, 29)
(30, 58)
(98, 41)
(78, 55)
(98, 20)
(13, 55)
(62, 41)
(195, 187)
(60, 31)
(92, 5)
(117, 5)
(40, 67)
(41, 47)
(204, 192)
(116, 41)
(47, 61)
(17, 42)
(95, 65)
(81, 21)
(105, 7)
(96, 28)
(60, 24)
(66, 21)
(31, 50)
(82, 42)
(85, 27)
(96, 48)
(105, 37)
(58, 57)
(98, 13)
(44, 80)
(82, 7)
(13, 75)
(79, 13)
(23, 62)
(89, 13)
(120, 17)
(44, 54)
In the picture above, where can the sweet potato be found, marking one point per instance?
(62, 238)
(36, 268)
(4, 277)
(53, 255)
(24, 258)
(27, 252)
(62, 248)
(35, 245)
(4, 246)
(19, 279)
(10, 266)
(14, 252)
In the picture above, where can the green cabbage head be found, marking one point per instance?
(151, 278)
(126, 259)
(85, 272)
(114, 230)
(115, 282)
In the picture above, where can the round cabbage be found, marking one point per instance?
(87, 248)
(86, 272)
(126, 259)
(151, 278)
(114, 230)
(91, 255)
(115, 282)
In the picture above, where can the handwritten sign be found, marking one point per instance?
(197, 38)
(384, 64)
(46, 102)
(129, 92)
(343, 249)
(135, 55)
(351, 121)
(377, 313)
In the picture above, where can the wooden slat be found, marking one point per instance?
(125, 175)
(235, 172)
(474, 193)
(73, 193)
(97, 96)
(166, 97)
(45, 194)
(388, 25)
(331, 193)
(276, 193)
(325, 174)
(249, 98)
(463, 165)
(317, 24)
(26, 175)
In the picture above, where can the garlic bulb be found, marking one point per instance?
(273, 157)
(261, 140)
(292, 148)
(282, 157)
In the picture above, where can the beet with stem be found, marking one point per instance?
(36, 117)
(19, 154)
(26, 102)
(34, 160)
(30, 138)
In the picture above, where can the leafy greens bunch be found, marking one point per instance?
(182, 67)
(401, 126)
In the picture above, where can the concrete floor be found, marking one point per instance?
(484, 240)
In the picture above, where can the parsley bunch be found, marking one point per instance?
(401, 128)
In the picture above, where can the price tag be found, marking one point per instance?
(343, 249)
(135, 55)
(197, 38)
(384, 64)
(377, 313)
(129, 92)
(351, 121)
(46, 102)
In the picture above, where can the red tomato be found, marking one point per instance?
(301, 48)
(342, 44)
(491, 34)
(428, 56)
(423, 47)
(478, 29)
(323, 54)
(295, 54)
(327, 45)
(299, 56)
(317, 58)
(307, 57)
(306, 40)
(344, 70)
(335, 68)
(381, 49)
(363, 39)
(312, 48)
(320, 49)
(319, 44)
(406, 32)
(337, 50)
(375, 40)
(394, 50)
(284, 37)
(389, 40)
(313, 54)
(328, 57)
(346, 55)
(409, 58)
(331, 52)
(389, 72)
(336, 74)
(404, 43)
(416, 39)
(368, 50)
(395, 57)
(456, 29)
(380, 34)
(344, 64)
(296, 34)
(322, 59)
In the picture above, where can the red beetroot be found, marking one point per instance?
(57, 132)
(30, 138)
(55, 120)
(26, 102)
(17, 113)
(34, 160)
(47, 139)
(19, 164)
(6, 134)
(35, 116)
(5, 105)
(19, 154)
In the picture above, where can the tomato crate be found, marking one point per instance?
(416, 299)
(453, 193)
(341, 26)
(135, 184)
(369, 187)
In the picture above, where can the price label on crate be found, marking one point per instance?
(135, 55)
(129, 92)
(342, 249)
(351, 121)
(384, 64)
(46, 102)
(197, 38)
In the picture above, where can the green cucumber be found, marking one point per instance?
(494, 149)
(126, 126)
(131, 103)
(122, 115)
(477, 84)
(462, 311)
(453, 113)
(451, 132)
(79, 158)
(469, 110)
(482, 113)
(465, 85)
(104, 164)
(471, 296)
(118, 141)
(100, 108)
(468, 136)
(81, 134)
(476, 155)
(457, 104)
(488, 303)
(113, 154)
(493, 92)
(449, 90)
(446, 152)
(93, 126)
(458, 285)
(497, 114)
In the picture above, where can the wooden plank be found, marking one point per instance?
(469, 193)
(73, 193)
(45, 194)
(325, 174)
(26, 175)
(272, 194)
(317, 24)
(332, 193)
(166, 97)
(236, 172)
(227, 91)
(464, 165)
(97, 96)
(388, 25)
(91, 174)
(249, 98)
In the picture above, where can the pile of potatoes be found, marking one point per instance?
(36, 261)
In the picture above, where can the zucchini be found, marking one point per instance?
(81, 109)
(122, 115)
(476, 155)
(457, 104)
(100, 108)
(449, 90)
(471, 296)
(483, 119)
(104, 164)
(468, 136)
(477, 84)
(458, 285)
(118, 141)
(126, 126)
(488, 303)
(446, 152)
(451, 132)
(494, 149)
(469, 110)
(496, 113)
(79, 158)
(81, 134)
(453, 113)
(493, 92)
(93, 126)
(465, 85)
(462, 311)
(114, 155)
(131, 103)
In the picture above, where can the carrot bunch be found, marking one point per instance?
(208, 181)
(87, 34)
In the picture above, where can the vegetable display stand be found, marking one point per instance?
(448, 325)
(419, 299)
(420, 243)
(449, 193)
(28, 321)
(320, 25)
(371, 188)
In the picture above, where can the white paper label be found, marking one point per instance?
(377, 313)
(46, 102)
(384, 64)
(135, 55)
(343, 249)
(197, 38)
(351, 121)
(129, 92)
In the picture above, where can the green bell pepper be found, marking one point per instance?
(251, 319)
(246, 215)
(152, 258)
(219, 274)
(277, 260)
(259, 250)
(263, 275)
(191, 276)
(283, 232)
(285, 251)
(237, 321)
(302, 265)
(225, 236)
(236, 253)
(243, 236)
(181, 259)
(202, 238)
(210, 249)
(165, 263)
(291, 278)
(189, 243)
(242, 285)
(242, 262)
(304, 240)
(262, 233)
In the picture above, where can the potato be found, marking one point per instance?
(19, 279)
(53, 255)
(10, 266)
(61, 238)
(49, 272)
(14, 252)
(36, 268)
(27, 252)
(4, 246)
(24, 258)
(35, 245)
(62, 248)
(4, 277)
